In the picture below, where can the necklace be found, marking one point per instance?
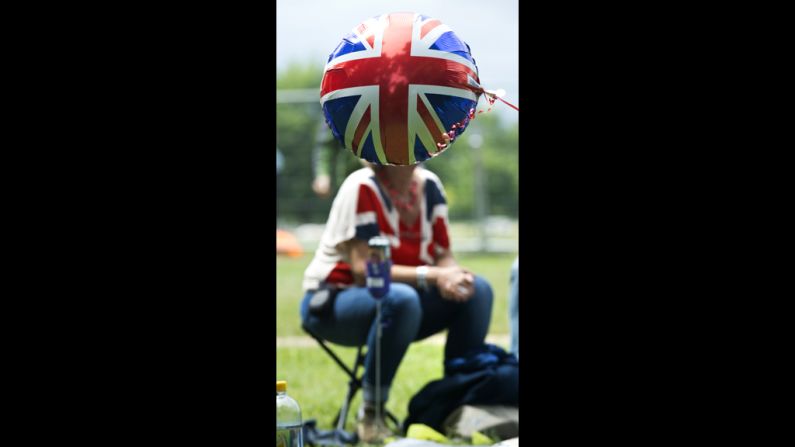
(400, 202)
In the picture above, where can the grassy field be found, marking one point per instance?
(319, 385)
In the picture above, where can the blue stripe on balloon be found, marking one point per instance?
(368, 150)
(349, 44)
(338, 112)
(451, 43)
(450, 109)
(420, 153)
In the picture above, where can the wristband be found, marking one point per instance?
(422, 272)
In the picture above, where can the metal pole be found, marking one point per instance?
(378, 362)
(378, 282)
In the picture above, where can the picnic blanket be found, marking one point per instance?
(408, 442)
(485, 376)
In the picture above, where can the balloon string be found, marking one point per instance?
(491, 97)
(449, 136)
(506, 102)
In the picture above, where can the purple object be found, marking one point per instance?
(379, 266)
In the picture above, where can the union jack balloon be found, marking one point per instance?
(399, 88)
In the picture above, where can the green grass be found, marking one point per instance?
(319, 385)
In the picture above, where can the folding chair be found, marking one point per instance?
(354, 384)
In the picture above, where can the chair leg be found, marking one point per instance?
(353, 386)
(331, 353)
(342, 416)
(354, 383)
(394, 421)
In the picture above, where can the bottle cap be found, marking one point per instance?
(281, 386)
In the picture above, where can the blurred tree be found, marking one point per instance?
(500, 151)
(295, 132)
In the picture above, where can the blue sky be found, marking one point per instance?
(311, 29)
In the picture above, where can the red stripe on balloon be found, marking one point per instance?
(357, 136)
(430, 124)
(429, 26)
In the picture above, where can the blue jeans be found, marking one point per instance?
(408, 315)
(513, 307)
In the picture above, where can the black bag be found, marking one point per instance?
(315, 437)
(485, 376)
(322, 301)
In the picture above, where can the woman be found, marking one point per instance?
(331, 162)
(429, 291)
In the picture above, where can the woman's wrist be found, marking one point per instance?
(432, 275)
(422, 277)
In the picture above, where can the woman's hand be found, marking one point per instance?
(455, 283)
(322, 185)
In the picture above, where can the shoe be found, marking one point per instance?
(368, 428)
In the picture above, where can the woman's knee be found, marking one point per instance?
(483, 292)
(403, 299)
(480, 305)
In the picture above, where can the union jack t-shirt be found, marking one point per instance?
(362, 210)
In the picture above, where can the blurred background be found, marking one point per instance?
(479, 171)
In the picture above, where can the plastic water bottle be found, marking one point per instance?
(288, 418)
